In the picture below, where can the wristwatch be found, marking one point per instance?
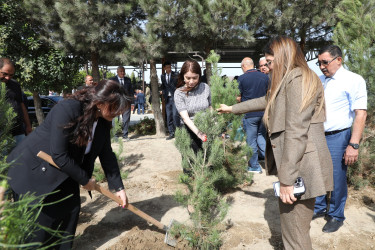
(354, 145)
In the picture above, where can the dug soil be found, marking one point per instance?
(154, 165)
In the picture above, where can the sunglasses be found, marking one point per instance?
(268, 63)
(324, 62)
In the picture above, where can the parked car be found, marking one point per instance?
(47, 103)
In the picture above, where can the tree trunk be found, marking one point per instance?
(159, 122)
(302, 43)
(208, 65)
(208, 72)
(95, 66)
(38, 107)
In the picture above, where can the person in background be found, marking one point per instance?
(141, 102)
(192, 96)
(168, 86)
(253, 84)
(346, 104)
(263, 66)
(75, 132)
(296, 146)
(89, 81)
(125, 82)
(22, 124)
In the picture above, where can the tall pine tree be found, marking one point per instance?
(94, 29)
(355, 34)
(39, 66)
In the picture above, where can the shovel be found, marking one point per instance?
(167, 239)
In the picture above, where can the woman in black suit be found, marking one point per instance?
(75, 132)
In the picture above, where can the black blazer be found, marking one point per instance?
(127, 85)
(171, 87)
(32, 174)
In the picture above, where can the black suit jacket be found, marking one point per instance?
(127, 85)
(169, 87)
(32, 174)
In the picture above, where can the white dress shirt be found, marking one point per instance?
(344, 93)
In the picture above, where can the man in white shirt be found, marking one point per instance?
(346, 105)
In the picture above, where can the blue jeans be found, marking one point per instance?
(141, 106)
(337, 145)
(255, 138)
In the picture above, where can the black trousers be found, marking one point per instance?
(62, 216)
(196, 142)
(196, 145)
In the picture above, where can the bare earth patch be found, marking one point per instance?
(252, 222)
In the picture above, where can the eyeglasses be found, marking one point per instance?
(324, 62)
(268, 63)
(262, 65)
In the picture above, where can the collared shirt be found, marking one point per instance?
(121, 80)
(168, 80)
(344, 92)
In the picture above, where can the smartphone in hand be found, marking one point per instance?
(299, 187)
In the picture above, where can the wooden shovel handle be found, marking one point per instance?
(110, 195)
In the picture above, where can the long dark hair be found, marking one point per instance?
(192, 66)
(105, 92)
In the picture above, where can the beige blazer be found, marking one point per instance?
(296, 144)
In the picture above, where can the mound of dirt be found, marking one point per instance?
(137, 239)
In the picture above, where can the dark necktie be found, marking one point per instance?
(168, 79)
(121, 81)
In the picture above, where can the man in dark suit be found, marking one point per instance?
(126, 83)
(168, 86)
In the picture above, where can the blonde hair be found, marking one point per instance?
(288, 56)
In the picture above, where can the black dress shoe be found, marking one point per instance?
(170, 137)
(332, 225)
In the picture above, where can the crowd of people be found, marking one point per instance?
(302, 125)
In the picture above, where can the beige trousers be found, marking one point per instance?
(295, 223)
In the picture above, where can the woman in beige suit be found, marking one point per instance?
(296, 145)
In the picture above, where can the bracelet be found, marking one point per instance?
(119, 189)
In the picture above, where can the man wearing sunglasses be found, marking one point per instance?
(346, 104)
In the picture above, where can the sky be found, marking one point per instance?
(229, 69)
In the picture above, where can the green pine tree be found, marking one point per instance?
(355, 35)
(310, 22)
(218, 167)
(93, 29)
(39, 67)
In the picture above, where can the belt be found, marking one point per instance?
(335, 131)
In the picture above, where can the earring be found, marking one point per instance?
(98, 110)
